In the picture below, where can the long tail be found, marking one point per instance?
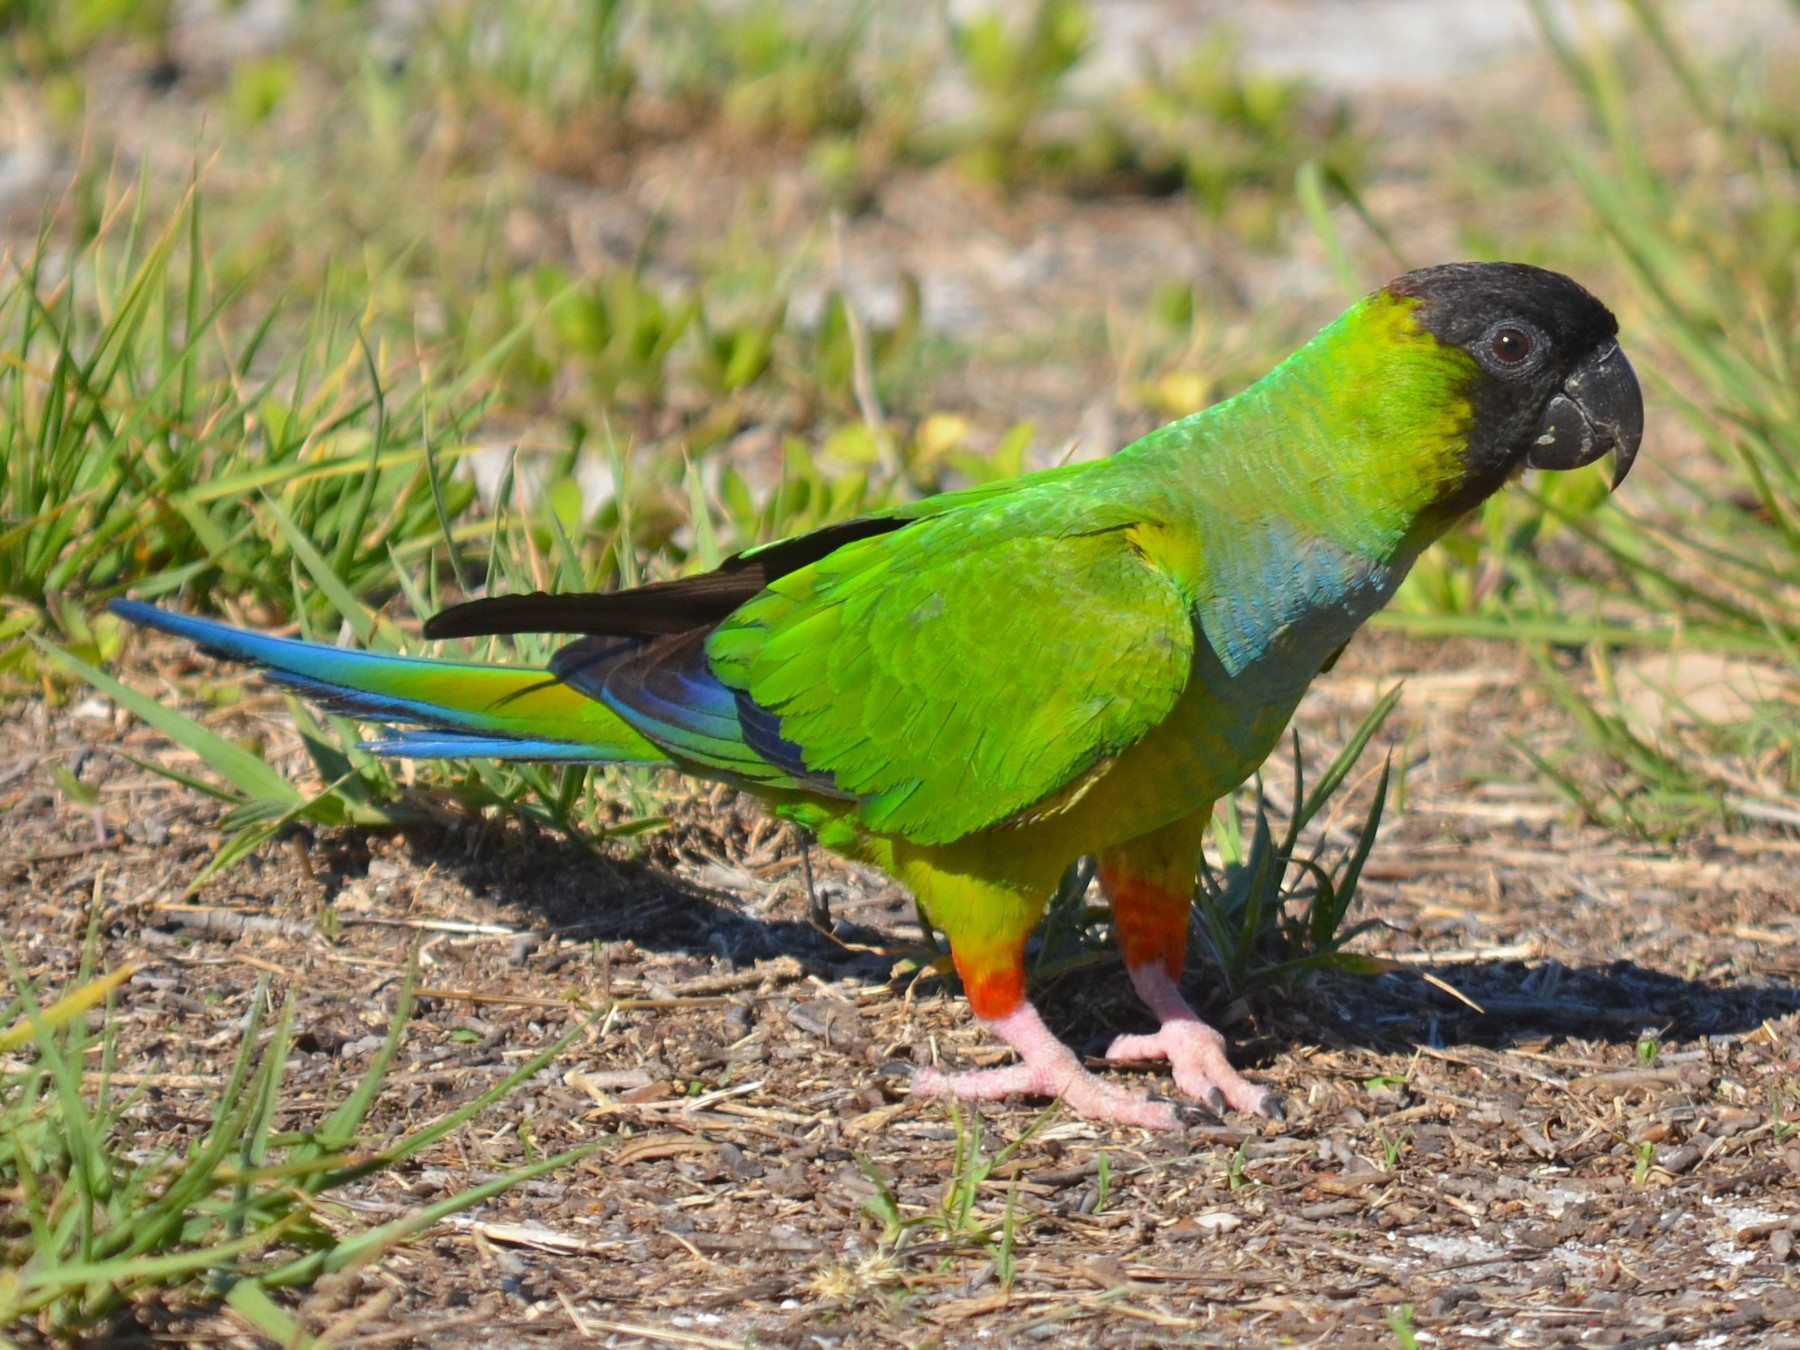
(499, 712)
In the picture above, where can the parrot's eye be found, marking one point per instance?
(1510, 346)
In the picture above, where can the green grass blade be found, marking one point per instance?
(245, 771)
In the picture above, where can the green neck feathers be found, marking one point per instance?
(1355, 438)
(1294, 509)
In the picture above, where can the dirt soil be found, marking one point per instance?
(1601, 1156)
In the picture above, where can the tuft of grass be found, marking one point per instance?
(1238, 138)
(1198, 121)
(90, 1223)
(1707, 558)
(574, 83)
(1272, 910)
(786, 72)
(1400, 1322)
(147, 419)
(613, 328)
(46, 40)
(556, 75)
(957, 1223)
(1017, 65)
(1650, 792)
(1708, 252)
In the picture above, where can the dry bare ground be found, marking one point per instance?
(1527, 1175)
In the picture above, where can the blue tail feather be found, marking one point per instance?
(463, 745)
(361, 684)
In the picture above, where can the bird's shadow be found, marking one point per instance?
(1502, 1003)
(605, 899)
(600, 897)
(1517, 1002)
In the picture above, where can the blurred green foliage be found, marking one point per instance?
(352, 324)
(1017, 67)
(1239, 137)
(1688, 166)
(47, 38)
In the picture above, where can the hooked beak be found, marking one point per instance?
(1600, 408)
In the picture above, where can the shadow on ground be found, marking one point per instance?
(561, 883)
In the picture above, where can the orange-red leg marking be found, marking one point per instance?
(1150, 882)
(993, 978)
(1150, 920)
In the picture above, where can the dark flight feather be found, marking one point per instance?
(661, 608)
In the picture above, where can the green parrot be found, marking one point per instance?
(974, 690)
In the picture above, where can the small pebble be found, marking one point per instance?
(151, 831)
(1746, 1312)
(1447, 1301)
(509, 1262)
(1218, 1221)
(1678, 1160)
(741, 1167)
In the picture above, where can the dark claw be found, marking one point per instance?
(1191, 1113)
(818, 908)
(1215, 1102)
(1270, 1108)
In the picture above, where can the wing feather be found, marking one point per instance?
(953, 676)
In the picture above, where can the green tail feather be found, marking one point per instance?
(464, 709)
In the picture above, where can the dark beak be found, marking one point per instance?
(1600, 408)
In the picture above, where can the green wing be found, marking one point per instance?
(955, 673)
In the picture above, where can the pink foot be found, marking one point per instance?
(1050, 1069)
(1197, 1055)
(1194, 1051)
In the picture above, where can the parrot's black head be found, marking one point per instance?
(1552, 389)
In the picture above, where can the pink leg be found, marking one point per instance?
(1150, 881)
(1048, 1069)
(1194, 1050)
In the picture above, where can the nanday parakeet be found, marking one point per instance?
(973, 690)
